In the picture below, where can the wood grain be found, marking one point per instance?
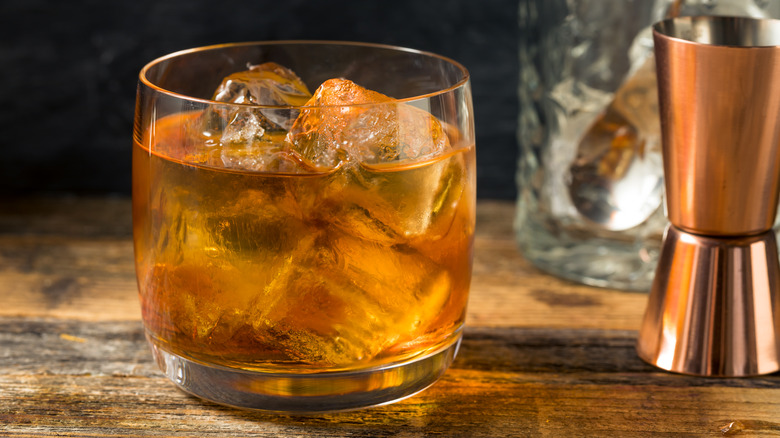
(100, 381)
(462, 404)
(73, 258)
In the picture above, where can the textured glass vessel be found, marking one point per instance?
(590, 180)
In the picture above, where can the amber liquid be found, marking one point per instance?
(343, 270)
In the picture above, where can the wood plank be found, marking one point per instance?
(469, 404)
(57, 260)
(507, 291)
(99, 380)
(118, 348)
(71, 216)
(68, 277)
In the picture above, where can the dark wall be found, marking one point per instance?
(69, 71)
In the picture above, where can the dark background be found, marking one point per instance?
(68, 73)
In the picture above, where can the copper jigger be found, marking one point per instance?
(713, 308)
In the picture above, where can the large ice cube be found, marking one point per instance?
(259, 225)
(197, 303)
(266, 84)
(393, 194)
(252, 138)
(392, 207)
(340, 300)
(368, 126)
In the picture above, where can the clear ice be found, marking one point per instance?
(251, 138)
(343, 120)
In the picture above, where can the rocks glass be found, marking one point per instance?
(303, 217)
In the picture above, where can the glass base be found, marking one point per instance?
(306, 393)
(592, 259)
(615, 268)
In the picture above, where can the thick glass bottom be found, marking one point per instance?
(604, 259)
(306, 393)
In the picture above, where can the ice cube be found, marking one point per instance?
(389, 207)
(266, 84)
(252, 138)
(244, 127)
(259, 225)
(195, 301)
(367, 126)
(246, 145)
(340, 300)
(379, 200)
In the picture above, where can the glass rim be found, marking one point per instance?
(143, 78)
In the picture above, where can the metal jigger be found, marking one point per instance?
(713, 308)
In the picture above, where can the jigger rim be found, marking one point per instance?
(688, 30)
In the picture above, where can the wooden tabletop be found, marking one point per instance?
(540, 356)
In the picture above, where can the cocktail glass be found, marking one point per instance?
(303, 254)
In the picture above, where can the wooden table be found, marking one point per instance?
(540, 356)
